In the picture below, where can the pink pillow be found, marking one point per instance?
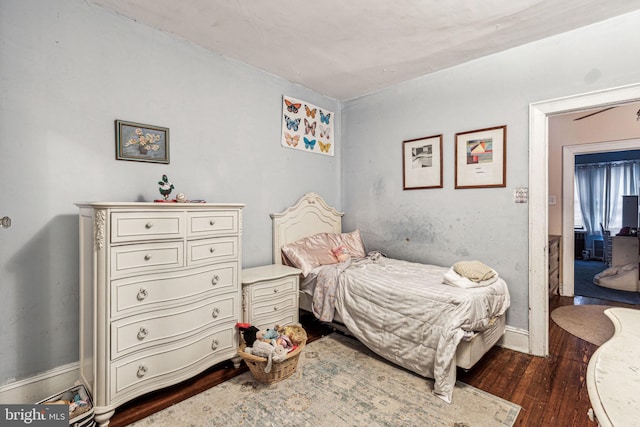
(310, 252)
(353, 242)
(314, 251)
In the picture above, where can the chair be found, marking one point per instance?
(606, 246)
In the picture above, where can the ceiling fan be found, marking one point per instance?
(594, 113)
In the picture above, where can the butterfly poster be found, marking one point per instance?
(307, 127)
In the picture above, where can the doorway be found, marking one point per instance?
(569, 154)
(539, 114)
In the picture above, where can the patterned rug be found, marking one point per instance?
(338, 383)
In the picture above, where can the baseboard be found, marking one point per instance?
(36, 388)
(515, 339)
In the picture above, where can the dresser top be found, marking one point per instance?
(158, 205)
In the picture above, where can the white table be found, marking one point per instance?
(613, 373)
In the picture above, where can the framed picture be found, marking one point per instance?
(307, 127)
(481, 158)
(141, 143)
(422, 163)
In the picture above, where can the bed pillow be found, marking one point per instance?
(310, 252)
(353, 242)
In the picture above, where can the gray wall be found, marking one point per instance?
(68, 70)
(442, 226)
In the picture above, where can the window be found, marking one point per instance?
(599, 188)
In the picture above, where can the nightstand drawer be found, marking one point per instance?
(274, 288)
(212, 223)
(159, 327)
(211, 250)
(135, 226)
(145, 293)
(268, 307)
(281, 318)
(132, 259)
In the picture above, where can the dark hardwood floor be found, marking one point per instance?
(551, 391)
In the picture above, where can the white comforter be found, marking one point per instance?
(404, 312)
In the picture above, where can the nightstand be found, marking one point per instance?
(270, 295)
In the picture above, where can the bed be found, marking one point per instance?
(401, 310)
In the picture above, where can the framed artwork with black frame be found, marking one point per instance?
(422, 163)
(141, 143)
(481, 158)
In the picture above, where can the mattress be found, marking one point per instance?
(469, 351)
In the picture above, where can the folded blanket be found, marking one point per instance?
(474, 270)
(454, 279)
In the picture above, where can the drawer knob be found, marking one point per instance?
(215, 313)
(212, 222)
(275, 308)
(148, 225)
(275, 290)
(212, 250)
(142, 370)
(215, 279)
(147, 257)
(214, 344)
(142, 294)
(142, 333)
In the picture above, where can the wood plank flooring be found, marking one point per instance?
(551, 391)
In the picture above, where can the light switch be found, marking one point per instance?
(521, 195)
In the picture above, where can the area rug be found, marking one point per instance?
(338, 383)
(587, 322)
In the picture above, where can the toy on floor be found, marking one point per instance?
(272, 344)
(272, 353)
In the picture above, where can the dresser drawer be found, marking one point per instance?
(131, 259)
(211, 250)
(212, 223)
(165, 364)
(273, 288)
(273, 306)
(152, 292)
(159, 327)
(135, 226)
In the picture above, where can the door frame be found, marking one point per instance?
(539, 113)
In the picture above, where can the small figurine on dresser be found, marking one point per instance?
(166, 187)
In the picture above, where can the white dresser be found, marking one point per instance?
(270, 295)
(160, 295)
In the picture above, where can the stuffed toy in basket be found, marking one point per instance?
(272, 355)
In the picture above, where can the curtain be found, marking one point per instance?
(600, 187)
(591, 188)
(624, 182)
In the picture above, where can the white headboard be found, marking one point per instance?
(310, 215)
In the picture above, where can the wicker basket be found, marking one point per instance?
(279, 370)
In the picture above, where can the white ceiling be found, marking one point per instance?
(348, 48)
